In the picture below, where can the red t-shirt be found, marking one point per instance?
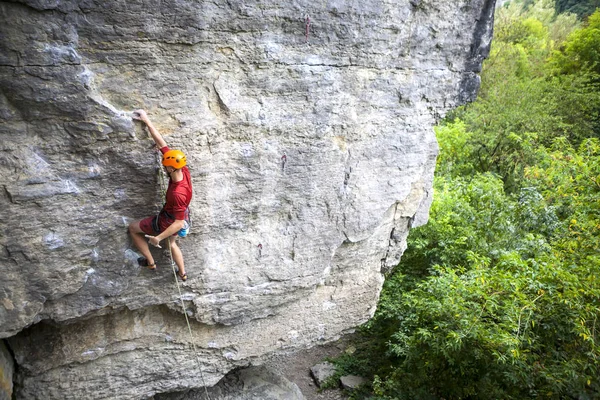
(179, 194)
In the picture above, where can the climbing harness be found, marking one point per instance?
(187, 222)
(162, 180)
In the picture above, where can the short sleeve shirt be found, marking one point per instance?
(179, 194)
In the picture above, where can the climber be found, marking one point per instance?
(174, 216)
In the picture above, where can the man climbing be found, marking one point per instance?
(172, 218)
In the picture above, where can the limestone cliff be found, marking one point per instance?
(308, 130)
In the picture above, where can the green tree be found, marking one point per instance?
(489, 302)
(498, 296)
(570, 180)
(529, 95)
(582, 8)
(577, 66)
(581, 50)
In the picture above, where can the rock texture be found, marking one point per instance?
(253, 383)
(351, 382)
(322, 371)
(6, 373)
(308, 129)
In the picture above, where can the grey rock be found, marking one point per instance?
(253, 383)
(321, 372)
(351, 382)
(6, 373)
(314, 141)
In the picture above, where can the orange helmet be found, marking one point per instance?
(174, 158)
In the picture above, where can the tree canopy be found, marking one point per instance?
(582, 8)
(498, 296)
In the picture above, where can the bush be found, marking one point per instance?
(498, 297)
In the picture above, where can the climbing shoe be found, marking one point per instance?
(182, 277)
(143, 262)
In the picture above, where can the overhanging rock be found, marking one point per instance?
(308, 130)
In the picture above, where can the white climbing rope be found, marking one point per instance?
(162, 180)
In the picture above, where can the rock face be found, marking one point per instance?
(253, 383)
(308, 130)
(321, 372)
(351, 382)
(6, 373)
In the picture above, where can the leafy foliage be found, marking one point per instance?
(474, 311)
(570, 180)
(581, 50)
(534, 89)
(498, 296)
(582, 8)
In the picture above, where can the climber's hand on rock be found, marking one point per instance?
(154, 241)
(140, 115)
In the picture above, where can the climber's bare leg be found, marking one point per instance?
(137, 235)
(177, 255)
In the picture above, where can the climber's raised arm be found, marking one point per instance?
(141, 115)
